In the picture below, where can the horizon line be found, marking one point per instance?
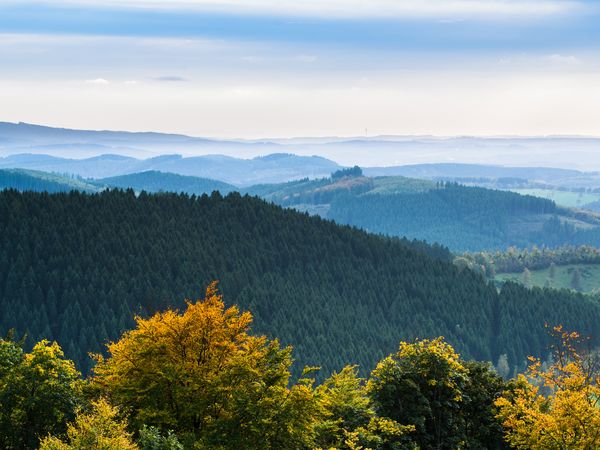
(284, 138)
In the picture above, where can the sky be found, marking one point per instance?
(282, 68)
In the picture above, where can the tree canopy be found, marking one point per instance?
(203, 375)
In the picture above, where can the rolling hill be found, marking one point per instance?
(76, 267)
(273, 168)
(33, 180)
(154, 181)
(460, 217)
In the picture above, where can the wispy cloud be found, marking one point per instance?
(98, 81)
(306, 58)
(353, 8)
(170, 78)
(563, 59)
(251, 67)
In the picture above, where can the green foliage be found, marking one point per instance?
(482, 428)
(515, 260)
(201, 374)
(449, 401)
(423, 385)
(100, 429)
(381, 434)
(39, 392)
(346, 406)
(348, 420)
(152, 439)
(349, 172)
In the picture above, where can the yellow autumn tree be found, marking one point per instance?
(555, 407)
(200, 373)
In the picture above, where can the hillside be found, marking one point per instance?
(32, 180)
(273, 168)
(463, 218)
(568, 267)
(76, 267)
(154, 181)
(559, 278)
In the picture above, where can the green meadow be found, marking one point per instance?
(590, 277)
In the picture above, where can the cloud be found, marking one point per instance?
(356, 8)
(98, 81)
(563, 59)
(173, 78)
(306, 58)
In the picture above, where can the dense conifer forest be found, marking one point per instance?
(462, 218)
(77, 267)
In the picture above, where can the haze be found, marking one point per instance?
(258, 69)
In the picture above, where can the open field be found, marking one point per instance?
(590, 276)
(562, 198)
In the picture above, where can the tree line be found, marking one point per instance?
(515, 260)
(197, 378)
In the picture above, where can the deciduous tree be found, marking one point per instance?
(201, 373)
(100, 429)
(422, 385)
(554, 407)
(39, 392)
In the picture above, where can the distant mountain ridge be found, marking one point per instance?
(573, 152)
(452, 170)
(272, 168)
(154, 181)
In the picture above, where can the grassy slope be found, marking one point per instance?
(562, 198)
(590, 276)
(399, 185)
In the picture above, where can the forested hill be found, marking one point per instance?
(155, 181)
(149, 181)
(76, 267)
(460, 217)
(33, 180)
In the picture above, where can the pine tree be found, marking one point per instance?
(576, 280)
(526, 277)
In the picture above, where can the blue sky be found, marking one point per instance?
(258, 68)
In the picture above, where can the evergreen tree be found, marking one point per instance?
(576, 280)
(526, 277)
